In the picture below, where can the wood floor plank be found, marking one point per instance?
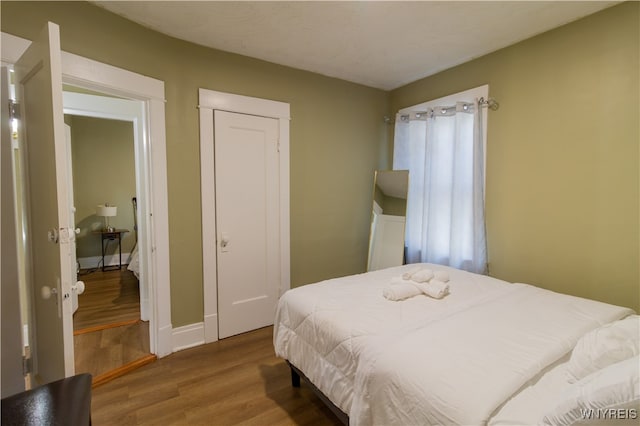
(102, 351)
(108, 332)
(122, 370)
(236, 381)
(109, 297)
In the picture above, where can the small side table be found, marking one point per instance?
(116, 234)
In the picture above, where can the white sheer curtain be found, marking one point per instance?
(443, 150)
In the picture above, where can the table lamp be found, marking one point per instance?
(106, 211)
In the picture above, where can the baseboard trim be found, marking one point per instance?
(93, 262)
(103, 378)
(188, 336)
(211, 328)
(106, 326)
(163, 341)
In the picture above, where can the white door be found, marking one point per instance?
(12, 375)
(78, 288)
(49, 240)
(248, 221)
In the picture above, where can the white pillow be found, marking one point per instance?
(608, 396)
(604, 346)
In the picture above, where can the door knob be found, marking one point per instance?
(224, 243)
(47, 291)
(78, 287)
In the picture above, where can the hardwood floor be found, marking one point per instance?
(109, 297)
(103, 351)
(234, 381)
(109, 338)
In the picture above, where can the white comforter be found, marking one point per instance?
(426, 361)
(461, 369)
(324, 328)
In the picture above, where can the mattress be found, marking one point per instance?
(368, 354)
(323, 328)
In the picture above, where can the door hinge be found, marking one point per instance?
(14, 110)
(27, 366)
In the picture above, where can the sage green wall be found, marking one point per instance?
(562, 157)
(337, 135)
(390, 205)
(394, 206)
(562, 161)
(103, 172)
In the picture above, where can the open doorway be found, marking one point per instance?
(109, 332)
(52, 352)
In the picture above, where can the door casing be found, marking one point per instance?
(209, 101)
(13, 378)
(96, 76)
(132, 111)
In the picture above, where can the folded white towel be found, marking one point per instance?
(422, 276)
(396, 281)
(441, 275)
(400, 291)
(407, 275)
(434, 288)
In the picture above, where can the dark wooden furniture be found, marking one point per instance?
(64, 402)
(112, 235)
(296, 374)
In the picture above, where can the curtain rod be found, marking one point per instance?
(490, 103)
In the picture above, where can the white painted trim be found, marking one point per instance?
(158, 255)
(13, 336)
(210, 328)
(285, 210)
(92, 262)
(209, 238)
(101, 107)
(83, 71)
(105, 78)
(187, 336)
(132, 111)
(209, 101)
(230, 102)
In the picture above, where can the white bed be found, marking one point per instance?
(470, 358)
(134, 262)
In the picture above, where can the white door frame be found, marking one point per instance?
(96, 76)
(13, 379)
(131, 111)
(209, 101)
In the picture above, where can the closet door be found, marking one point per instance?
(247, 221)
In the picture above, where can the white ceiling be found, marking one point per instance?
(382, 44)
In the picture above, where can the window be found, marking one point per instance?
(442, 144)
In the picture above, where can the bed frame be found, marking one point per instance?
(296, 374)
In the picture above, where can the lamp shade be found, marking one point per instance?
(107, 211)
